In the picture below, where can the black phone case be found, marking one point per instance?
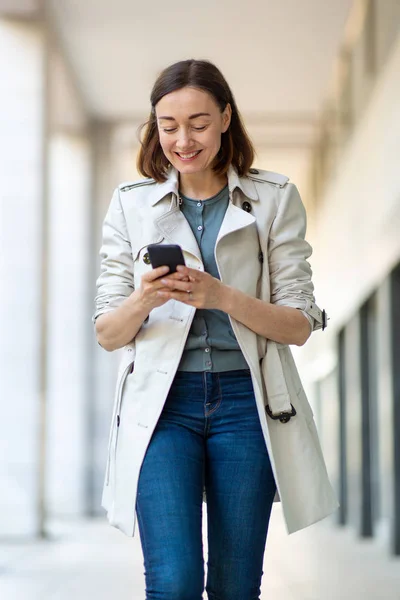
(169, 255)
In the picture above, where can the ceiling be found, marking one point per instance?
(277, 55)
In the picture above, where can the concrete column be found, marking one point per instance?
(395, 352)
(68, 323)
(22, 90)
(385, 413)
(68, 439)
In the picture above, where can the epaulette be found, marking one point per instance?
(269, 177)
(125, 187)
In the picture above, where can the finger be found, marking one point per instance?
(175, 284)
(175, 295)
(176, 276)
(155, 273)
(195, 273)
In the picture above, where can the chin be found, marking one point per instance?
(188, 168)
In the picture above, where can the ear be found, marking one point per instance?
(226, 117)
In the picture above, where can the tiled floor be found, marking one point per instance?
(92, 560)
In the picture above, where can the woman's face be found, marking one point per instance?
(190, 125)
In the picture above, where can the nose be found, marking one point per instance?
(184, 141)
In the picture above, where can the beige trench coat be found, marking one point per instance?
(262, 253)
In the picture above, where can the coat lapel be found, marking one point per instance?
(235, 218)
(176, 229)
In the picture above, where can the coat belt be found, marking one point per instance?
(278, 395)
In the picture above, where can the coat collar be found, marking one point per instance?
(171, 185)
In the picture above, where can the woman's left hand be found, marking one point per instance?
(202, 290)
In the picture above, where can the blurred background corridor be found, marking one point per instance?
(318, 85)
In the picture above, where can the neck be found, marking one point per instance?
(200, 186)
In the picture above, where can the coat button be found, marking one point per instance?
(254, 171)
(246, 206)
(146, 259)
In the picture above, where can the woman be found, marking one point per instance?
(208, 399)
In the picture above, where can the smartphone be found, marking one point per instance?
(169, 255)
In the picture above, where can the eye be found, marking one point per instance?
(172, 129)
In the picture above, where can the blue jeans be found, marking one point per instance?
(208, 434)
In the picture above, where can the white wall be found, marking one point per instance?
(356, 239)
(292, 162)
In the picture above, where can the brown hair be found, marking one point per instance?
(236, 146)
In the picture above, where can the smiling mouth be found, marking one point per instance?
(188, 156)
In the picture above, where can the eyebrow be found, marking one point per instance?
(195, 116)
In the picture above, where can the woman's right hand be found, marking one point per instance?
(151, 284)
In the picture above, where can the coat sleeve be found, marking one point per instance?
(288, 251)
(115, 282)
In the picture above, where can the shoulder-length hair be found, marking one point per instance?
(236, 146)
